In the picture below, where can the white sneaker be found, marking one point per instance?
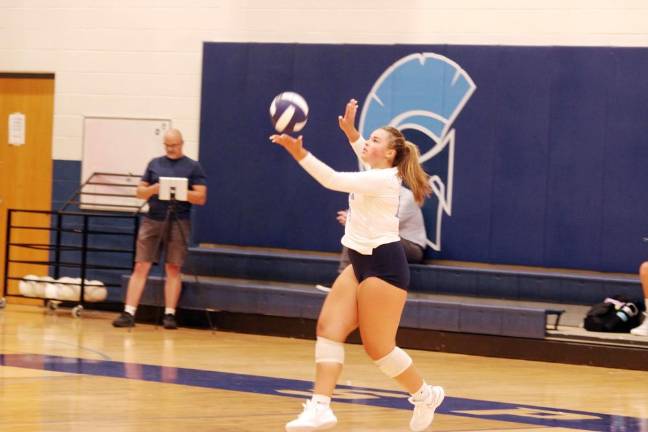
(314, 417)
(424, 409)
(642, 330)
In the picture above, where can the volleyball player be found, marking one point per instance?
(370, 293)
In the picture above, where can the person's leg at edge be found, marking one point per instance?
(642, 330)
(380, 306)
(643, 276)
(337, 319)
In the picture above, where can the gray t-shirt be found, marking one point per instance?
(411, 225)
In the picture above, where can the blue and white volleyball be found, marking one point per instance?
(289, 112)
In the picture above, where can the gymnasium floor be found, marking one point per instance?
(58, 373)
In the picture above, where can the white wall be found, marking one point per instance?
(142, 58)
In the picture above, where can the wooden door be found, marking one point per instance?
(26, 170)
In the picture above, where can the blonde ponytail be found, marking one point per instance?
(409, 168)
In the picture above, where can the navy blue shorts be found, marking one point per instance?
(387, 262)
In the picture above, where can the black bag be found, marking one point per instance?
(616, 315)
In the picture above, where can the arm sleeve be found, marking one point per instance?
(367, 182)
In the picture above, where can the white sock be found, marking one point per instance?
(321, 399)
(422, 393)
(169, 311)
(130, 309)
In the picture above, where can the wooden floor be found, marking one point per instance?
(59, 373)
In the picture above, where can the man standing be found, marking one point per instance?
(159, 228)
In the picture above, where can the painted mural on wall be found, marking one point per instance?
(543, 165)
(422, 94)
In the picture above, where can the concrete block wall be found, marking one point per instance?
(142, 58)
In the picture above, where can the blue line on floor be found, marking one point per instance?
(482, 409)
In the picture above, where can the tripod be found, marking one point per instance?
(170, 219)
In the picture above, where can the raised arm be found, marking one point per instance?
(347, 125)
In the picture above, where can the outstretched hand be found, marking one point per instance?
(347, 122)
(294, 146)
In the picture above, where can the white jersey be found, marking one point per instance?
(373, 201)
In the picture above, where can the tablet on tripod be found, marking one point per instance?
(173, 188)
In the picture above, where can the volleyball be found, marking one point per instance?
(95, 291)
(41, 286)
(68, 288)
(27, 285)
(289, 112)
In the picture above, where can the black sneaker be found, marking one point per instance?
(124, 320)
(169, 322)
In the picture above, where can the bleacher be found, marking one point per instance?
(524, 285)
(447, 303)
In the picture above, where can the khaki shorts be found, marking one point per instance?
(149, 244)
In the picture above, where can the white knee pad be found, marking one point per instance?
(328, 351)
(394, 363)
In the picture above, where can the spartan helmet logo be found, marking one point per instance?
(421, 95)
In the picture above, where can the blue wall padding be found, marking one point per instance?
(551, 156)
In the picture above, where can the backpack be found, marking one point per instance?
(616, 315)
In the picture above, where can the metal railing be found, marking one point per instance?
(114, 198)
(74, 245)
(74, 242)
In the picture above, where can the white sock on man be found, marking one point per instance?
(169, 311)
(422, 393)
(130, 309)
(321, 399)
